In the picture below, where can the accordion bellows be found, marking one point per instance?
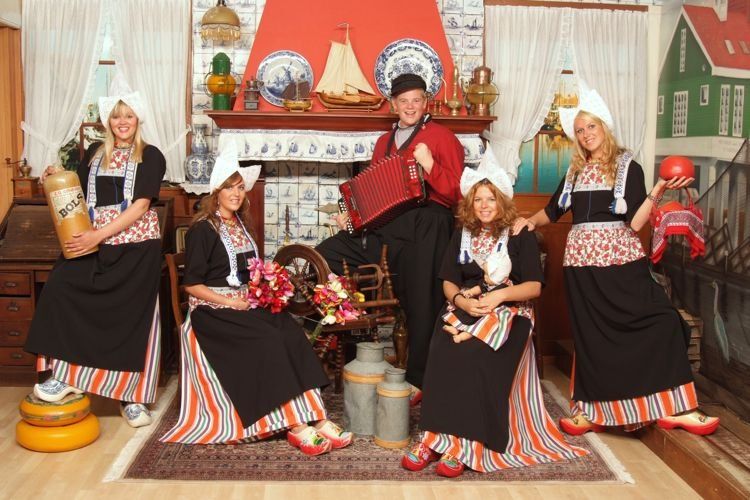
(382, 192)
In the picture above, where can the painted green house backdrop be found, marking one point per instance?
(698, 97)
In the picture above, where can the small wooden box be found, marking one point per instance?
(27, 187)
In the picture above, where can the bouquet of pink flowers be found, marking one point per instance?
(334, 300)
(269, 285)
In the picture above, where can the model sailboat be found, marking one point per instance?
(296, 96)
(343, 85)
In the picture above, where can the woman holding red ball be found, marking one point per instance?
(631, 366)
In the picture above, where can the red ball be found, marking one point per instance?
(676, 166)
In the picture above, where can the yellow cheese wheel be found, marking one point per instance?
(71, 409)
(54, 439)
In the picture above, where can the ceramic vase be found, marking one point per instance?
(200, 163)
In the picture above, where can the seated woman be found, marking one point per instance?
(482, 406)
(246, 373)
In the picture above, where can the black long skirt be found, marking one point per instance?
(629, 339)
(416, 243)
(262, 359)
(97, 310)
(467, 386)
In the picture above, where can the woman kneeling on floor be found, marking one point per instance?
(482, 404)
(246, 373)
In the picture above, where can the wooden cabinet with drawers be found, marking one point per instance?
(28, 250)
(17, 300)
(185, 206)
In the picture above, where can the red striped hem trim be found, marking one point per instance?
(134, 387)
(208, 416)
(639, 410)
(533, 436)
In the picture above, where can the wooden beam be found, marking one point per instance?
(572, 5)
(709, 471)
(11, 102)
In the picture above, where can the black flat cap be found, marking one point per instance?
(407, 81)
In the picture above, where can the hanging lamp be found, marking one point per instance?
(220, 23)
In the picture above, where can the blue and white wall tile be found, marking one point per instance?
(304, 186)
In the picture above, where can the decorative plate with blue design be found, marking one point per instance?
(408, 55)
(279, 69)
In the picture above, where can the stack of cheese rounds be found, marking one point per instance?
(62, 426)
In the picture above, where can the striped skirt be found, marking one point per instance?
(134, 387)
(636, 412)
(533, 436)
(208, 416)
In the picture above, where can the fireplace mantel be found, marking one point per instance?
(337, 122)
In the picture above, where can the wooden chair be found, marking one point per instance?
(537, 316)
(179, 297)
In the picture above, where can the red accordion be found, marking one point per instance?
(385, 190)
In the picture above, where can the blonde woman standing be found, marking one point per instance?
(96, 325)
(631, 365)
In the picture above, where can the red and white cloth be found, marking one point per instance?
(672, 219)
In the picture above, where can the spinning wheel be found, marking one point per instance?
(306, 267)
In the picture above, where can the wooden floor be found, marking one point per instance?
(78, 474)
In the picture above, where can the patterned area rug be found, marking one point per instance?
(274, 460)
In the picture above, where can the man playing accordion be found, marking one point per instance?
(417, 238)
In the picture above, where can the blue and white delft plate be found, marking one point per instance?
(408, 55)
(279, 69)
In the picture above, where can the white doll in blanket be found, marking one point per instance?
(496, 274)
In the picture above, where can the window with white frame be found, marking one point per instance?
(738, 113)
(724, 110)
(679, 114)
(704, 95)
(660, 105)
(683, 44)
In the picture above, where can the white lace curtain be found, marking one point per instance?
(525, 47)
(151, 49)
(610, 55)
(61, 47)
(60, 52)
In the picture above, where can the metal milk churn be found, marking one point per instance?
(361, 377)
(392, 417)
